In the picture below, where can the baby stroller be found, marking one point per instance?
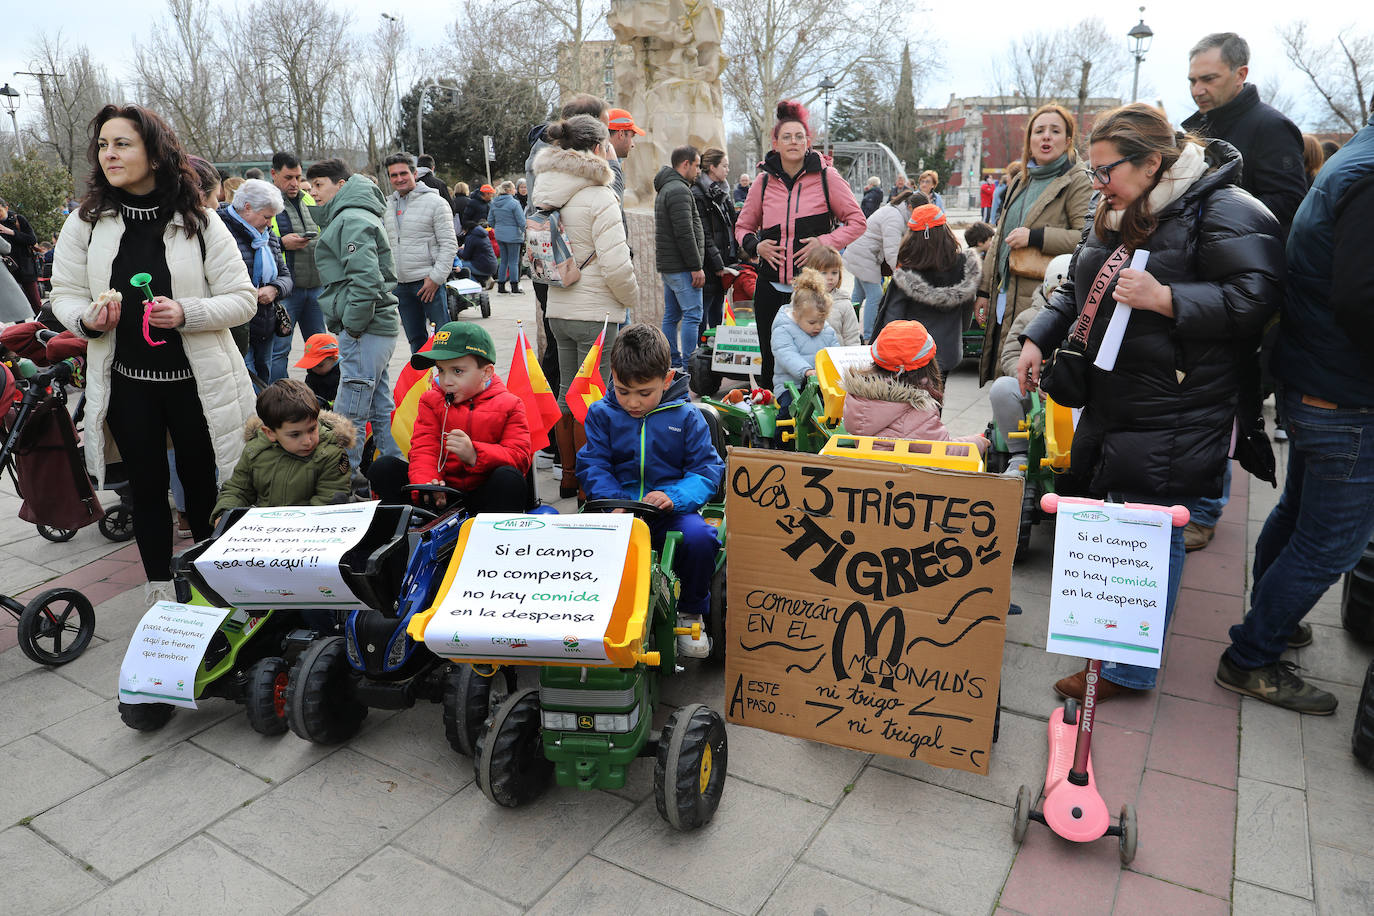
(44, 458)
(57, 625)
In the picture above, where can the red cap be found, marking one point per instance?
(317, 349)
(903, 345)
(486, 189)
(620, 119)
(924, 217)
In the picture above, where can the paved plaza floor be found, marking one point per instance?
(1243, 807)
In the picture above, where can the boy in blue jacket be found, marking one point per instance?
(646, 441)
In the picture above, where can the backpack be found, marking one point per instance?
(547, 251)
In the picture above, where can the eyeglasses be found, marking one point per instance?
(1103, 173)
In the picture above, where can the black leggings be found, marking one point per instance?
(506, 490)
(141, 415)
(767, 302)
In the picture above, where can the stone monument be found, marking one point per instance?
(671, 85)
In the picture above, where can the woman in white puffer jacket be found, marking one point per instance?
(168, 368)
(575, 179)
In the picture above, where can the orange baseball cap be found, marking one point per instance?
(317, 349)
(620, 119)
(486, 189)
(926, 216)
(903, 345)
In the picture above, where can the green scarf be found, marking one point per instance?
(1040, 177)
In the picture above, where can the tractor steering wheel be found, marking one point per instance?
(456, 498)
(646, 511)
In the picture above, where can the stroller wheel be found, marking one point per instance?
(118, 524)
(56, 626)
(56, 535)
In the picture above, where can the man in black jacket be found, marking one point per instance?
(1325, 517)
(1272, 169)
(424, 173)
(680, 250)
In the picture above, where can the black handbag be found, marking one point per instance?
(282, 320)
(1065, 377)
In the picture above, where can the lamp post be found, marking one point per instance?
(420, 113)
(1140, 36)
(827, 86)
(395, 78)
(11, 96)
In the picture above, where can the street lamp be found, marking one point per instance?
(11, 96)
(1140, 36)
(827, 86)
(395, 77)
(420, 113)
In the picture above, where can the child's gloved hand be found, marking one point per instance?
(460, 443)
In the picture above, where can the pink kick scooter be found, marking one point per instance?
(1073, 808)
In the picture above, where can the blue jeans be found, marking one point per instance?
(1316, 533)
(1209, 510)
(712, 306)
(365, 391)
(1139, 676)
(873, 292)
(681, 315)
(303, 305)
(508, 269)
(416, 316)
(259, 358)
(696, 559)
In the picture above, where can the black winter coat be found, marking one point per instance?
(261, 325)
(1158, 427)
(21, 246)
(1270, 146)
(872, 200)
(718, 222)
(475, 211)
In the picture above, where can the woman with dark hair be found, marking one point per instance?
(1042, 212)
(796, 204)
(17, 232)
(1157, 427)
(718, 221)
(934, 283)
(574, 177)
(873, 255)
(166, 367)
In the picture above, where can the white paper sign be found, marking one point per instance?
(166, 649)
(533, 587)
(846, 358)
(287, 557)
(1116, 328)
(737, 349)
(1111, 582)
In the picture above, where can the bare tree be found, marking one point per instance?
(180, 73)
(73, 89)
(780, 49)
(1070, 65)
(1339, 71)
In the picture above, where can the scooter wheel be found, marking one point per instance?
(1070, 711)
(1020, 818)
(1130, 834)
(56, 626)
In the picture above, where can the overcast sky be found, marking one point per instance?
(966, 47)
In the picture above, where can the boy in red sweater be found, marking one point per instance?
(470, 432)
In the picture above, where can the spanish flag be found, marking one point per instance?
(410, 384)
(729, 314)
(587, 386)
(527, 380)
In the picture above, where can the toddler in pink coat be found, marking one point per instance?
(902, 395)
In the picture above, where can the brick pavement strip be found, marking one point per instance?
(393, 816)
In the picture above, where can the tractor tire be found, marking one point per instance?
(715, 620)
(1030, 512)
(265, 695)
(145, 717)
(319, 707)
(1357, 603)
(469, 698)
(1362, 740)
(701, 379)
(509, 763)
(689, 773)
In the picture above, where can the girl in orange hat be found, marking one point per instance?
(902, 395)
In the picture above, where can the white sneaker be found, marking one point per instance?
(543, 459)
(686, 645)
(153, 592)
(1280, 434)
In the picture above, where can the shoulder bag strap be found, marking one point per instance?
(1115, 261)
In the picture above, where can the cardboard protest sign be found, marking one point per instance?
(160, 664)
(867, 603)
(1111, 583)
(533, 588)
(737, 349)
(287, 556)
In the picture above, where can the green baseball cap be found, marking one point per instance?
(454, 341)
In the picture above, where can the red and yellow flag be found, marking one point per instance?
(526, 379)
(410, 384)
(729, 314)
(587, 386)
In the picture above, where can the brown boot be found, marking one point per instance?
(567, 451)
(1073, 687)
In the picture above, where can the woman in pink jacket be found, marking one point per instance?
(796, 204)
